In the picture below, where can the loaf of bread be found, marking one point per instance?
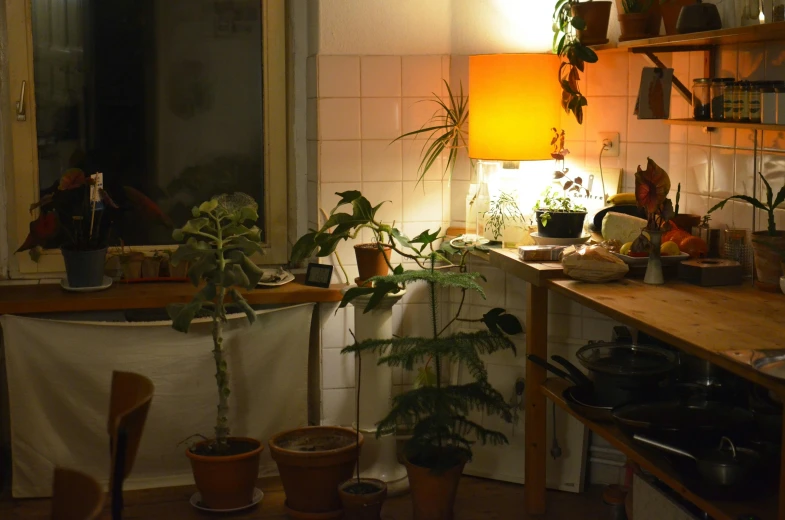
(593, 264)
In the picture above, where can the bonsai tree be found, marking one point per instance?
(574, 57)
(219, 242)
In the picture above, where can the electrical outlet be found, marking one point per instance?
(615, 143)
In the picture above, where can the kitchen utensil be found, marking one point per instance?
(693, 369)
(722, 466)
(575, 373)
(583, 401)
(555, 448)
(643, 260)
(554, 370)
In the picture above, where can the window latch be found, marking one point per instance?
(20, 105)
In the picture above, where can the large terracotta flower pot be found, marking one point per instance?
(363, 502)
(371, 260)
(633, 26)
(769, 251)
(596, 15)
(226, 481)
(433, 494)
(313, 462)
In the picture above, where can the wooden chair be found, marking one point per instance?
(128, 406)
(76, 496)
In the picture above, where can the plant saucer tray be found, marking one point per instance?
(643, 260)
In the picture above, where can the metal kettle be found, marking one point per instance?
(698, 17)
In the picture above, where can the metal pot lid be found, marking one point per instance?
(772, 364)
(626, 359)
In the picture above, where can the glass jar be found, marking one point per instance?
(753, 102)
(719, 86)
(741, 107)
(727, 101)
(701, 99)
(778, 10)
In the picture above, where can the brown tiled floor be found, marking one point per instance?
(478, 499)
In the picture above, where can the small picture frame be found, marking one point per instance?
(654, 96)
(319, 275)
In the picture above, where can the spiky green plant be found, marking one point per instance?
(771, 204)
(436, 412)
(219, 244)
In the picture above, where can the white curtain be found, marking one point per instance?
(59, 376)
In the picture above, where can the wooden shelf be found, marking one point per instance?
(683, 42)
(653, 462)
(725, 124)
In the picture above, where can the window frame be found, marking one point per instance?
(21, 158)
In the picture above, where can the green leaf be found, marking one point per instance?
(235, 275)
(746, 198)
(208, 206)
(183, 314)
(425, 377)
(401, 238)
(509, 324)
(238, 300)
(769, 192)
(353, 293)
(780, 198)
(178, 235)
(304, 248)
(204, 264)
(347, 197)
(578, 23)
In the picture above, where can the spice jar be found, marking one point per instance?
(780, 91)
(736, 100)
(727, 101)
(719, 87)
(753, 102)
(768, 105)
(701, 99)
(741, 102)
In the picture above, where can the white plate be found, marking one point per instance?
(466, 241)
(196, 501)
(268, 274)
(548, 241)
(107, 283)
(643, 260)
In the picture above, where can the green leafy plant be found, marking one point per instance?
(636, 6)
(554, 202)
(220, 241)
(435, 412)
(560, 153)
(446, 131)
(771, 204)
(574, 56)
(503, 210)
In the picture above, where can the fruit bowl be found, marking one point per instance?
(643, 260)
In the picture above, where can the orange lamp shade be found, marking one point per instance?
(514, 101)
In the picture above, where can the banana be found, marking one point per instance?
(622, 198)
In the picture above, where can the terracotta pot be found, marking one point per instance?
(633, 26)
(371, 261)
(151, 267)
(433, 494)
(178, 271)
(132, 265)
(768, 251)
(366, 506)
(226, 482)
(654, 19)
(670, 14)
(596, 15)
(687, 221)
(313, 462)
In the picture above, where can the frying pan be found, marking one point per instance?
(537, 360)
(720, 466)
(577, 376)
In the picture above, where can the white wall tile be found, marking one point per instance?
(645, 130)
(422, 202)
(698, 170)
(381, 76)
(339, 76)
(418, 113)
(608, 74)
(335, 324)
(723, 165)
(381, 118)
(338, 407)
(337, 369)
(412, 153)
(311, 81)
(339, 119)
(638, 155)
(422, 76)
(391, 193)
(613, 118)
(744, 172)
(339, 161)
(752, 61)
(382, 160)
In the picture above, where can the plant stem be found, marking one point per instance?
(437, 359)
(221, 374)
(357, 424)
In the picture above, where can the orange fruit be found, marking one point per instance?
(696, 247)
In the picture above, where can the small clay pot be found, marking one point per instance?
(132, 265)
(313, 462)
(768, 251)
(363, 506)
(433, 494)
(633, 26)
(670, 14)
(180, 270)
(226, 482)
(596, 15)
(151, 267)
(371, 260)
(687, 221)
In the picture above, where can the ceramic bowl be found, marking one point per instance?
(782, 283)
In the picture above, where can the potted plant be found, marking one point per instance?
(671, 9)
(768, 246)
(502, 219)
(72, 218)
(435, 411)
(559, 215)
(131, 264)
(638, 19)
(220, 240)
(589, 19)
(652, 186)
(574, 54)
(362, 498)
(151, 265)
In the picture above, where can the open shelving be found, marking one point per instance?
(697, 41)
(655, 463)
(725, 124)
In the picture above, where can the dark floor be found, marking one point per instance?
(478, 499)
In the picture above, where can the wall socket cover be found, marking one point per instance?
(614, 138)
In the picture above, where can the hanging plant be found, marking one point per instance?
(574, 56)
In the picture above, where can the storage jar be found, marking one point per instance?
(778, 10)
(768, 105)
(701, 99)
(780, 91)
(753, 102)
(719, 87)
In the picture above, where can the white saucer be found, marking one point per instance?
(548, 241)
(196, 501)
(107, 283)
(270, 274)
(467, 241)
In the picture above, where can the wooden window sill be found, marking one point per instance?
(34, 299)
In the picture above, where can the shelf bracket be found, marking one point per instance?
(681, 88)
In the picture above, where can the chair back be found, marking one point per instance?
(76, 496)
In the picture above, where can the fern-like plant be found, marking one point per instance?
(435, 412)
(220, 240)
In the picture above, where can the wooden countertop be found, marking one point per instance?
(31, 299)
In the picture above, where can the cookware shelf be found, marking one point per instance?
(654, 463)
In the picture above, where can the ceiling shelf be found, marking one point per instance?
(724, 124)
(697, 41)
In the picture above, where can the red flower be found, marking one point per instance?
(72, 178)
(651, 187)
